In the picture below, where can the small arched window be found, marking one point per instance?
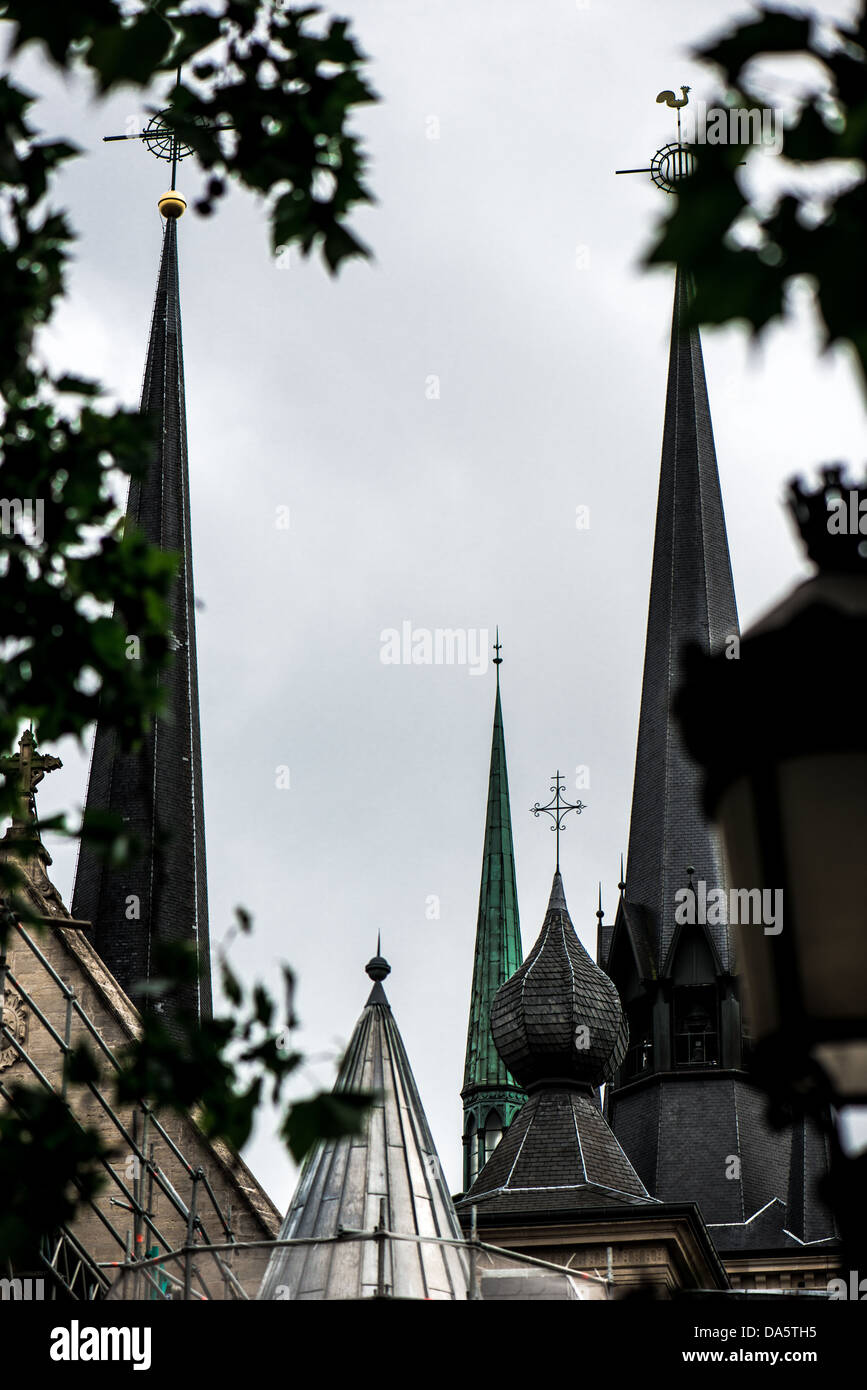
(493, 1132)
(472, 1143)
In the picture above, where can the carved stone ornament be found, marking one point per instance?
(15, 1020)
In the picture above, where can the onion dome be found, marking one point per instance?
(559, 1018)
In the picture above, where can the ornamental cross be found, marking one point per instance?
(557, 808)
(160, 137)
(28, 767)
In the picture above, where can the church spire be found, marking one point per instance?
(162, 895)
(385, 1179)
(490, 1095)
(691, 600)
(681, 1101)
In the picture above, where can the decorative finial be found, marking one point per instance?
(689, 873)
(378, 968)
(160, 137)
(599, 913)
(622, 884)
(672, 162)
(498, 647)
(28, 767)
(557, 808)
(671, 100)
(172, 204)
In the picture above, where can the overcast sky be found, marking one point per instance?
(506, 267)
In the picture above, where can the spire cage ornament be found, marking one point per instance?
(160, 137)
(672, 162)
(558, 808)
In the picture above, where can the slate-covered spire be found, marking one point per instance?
(490, 1095)
(680, 1104)
(558, 1025)
(388, 1177)
(162, 896)
(692, 599)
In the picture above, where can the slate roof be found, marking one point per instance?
(682, 1129)
(558, 1153)
(344, 1183)
(559, 1027)
(692, 599)
(559, 1015)
(158, 792)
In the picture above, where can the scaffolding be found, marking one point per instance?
(69, 1269)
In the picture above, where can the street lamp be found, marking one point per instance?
(779, 729)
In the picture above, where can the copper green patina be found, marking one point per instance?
(491, 1096)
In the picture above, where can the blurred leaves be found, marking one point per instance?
(218, 1070)
(265, 98)
(47, 1164)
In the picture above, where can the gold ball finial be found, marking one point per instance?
(173, 204)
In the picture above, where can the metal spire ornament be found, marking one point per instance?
(674, 161)
(558, 808)
(160, 137)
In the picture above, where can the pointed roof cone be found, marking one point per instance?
(388, 1174)
(691, 600)
(559, 1027)
(161, 896)
(498, 929)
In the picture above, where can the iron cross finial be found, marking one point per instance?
(557, 808)
(160, 136)
(498, 647)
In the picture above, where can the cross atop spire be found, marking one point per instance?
(160, 137)
(558, 808)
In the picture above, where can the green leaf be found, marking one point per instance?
(328, 1115)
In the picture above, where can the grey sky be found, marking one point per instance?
(506, 266)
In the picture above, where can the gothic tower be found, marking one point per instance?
(680, 1103)
(162, 894)
(490, 1094)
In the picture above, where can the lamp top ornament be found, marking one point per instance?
(672, 162)
(832, 521)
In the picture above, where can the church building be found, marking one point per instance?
(612, 1140)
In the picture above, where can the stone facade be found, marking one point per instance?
(47, 991)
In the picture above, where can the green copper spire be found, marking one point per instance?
(490, 1094)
